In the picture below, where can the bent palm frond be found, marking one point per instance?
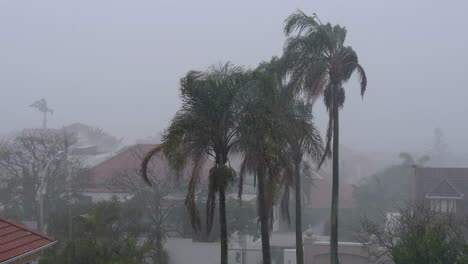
(145, 162)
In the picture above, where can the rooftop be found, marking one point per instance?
(19, 241)
(445, 189)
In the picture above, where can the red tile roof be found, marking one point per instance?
(17, 240)
(127, 161)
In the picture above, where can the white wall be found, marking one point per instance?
(100, 197)
(185, 251)
(290, 256)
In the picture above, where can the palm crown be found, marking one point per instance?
(203, 128)
(318, 61)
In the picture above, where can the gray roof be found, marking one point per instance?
(444, 189)
(441, 181)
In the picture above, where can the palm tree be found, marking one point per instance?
(303, 138)
(319, 63)
(262, 143)
(204, 127)
(410, 161)
(41, 106)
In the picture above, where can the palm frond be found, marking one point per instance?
(363, 78)
(299, 22)
(339, 35)
(287, 182)
(190, 201)
(146, 160)
(271, 194)
(211, 199)
(423, 160)
(241, 180)
(313, 144)
(328, 139)
(407, 158)
(285, 205)
(315, 84)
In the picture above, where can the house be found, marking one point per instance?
(116, 174)
(19, 244)
(108, 171)
(443, 189)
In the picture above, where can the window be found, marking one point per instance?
(444, 205)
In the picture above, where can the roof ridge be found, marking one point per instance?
(453, 187)
(449, 184)
(27, 229)
(121, 151)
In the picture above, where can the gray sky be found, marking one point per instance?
(116, 64)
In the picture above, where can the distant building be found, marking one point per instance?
(443, 189)
(21, 245)
(106, 170)
(115, 174)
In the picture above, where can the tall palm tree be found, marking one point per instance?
(303, 138)
(204, 128)
(42, 106)
(262, 143)
(319, 63)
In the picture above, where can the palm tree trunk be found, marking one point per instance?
(299, 247)
(335, 187)
(223, 226)
(222, 218)
(44, 121)
(159, 246)
(263, 212)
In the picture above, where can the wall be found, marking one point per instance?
(184, 251)
(318, 252)
(105, 196)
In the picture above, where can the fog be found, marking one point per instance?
(116, 64)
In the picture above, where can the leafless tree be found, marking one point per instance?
(23, 160)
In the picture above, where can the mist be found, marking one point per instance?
(116, 64)
(89, 87)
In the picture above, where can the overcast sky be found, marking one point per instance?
(116, 64)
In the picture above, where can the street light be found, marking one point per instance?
(41, 190)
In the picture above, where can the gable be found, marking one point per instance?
(446, 182)
(444, 190)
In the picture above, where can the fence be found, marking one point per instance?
(318, 252)
(254, 256)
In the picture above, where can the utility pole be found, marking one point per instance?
(41, 190)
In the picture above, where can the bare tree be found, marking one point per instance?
(24, 159)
